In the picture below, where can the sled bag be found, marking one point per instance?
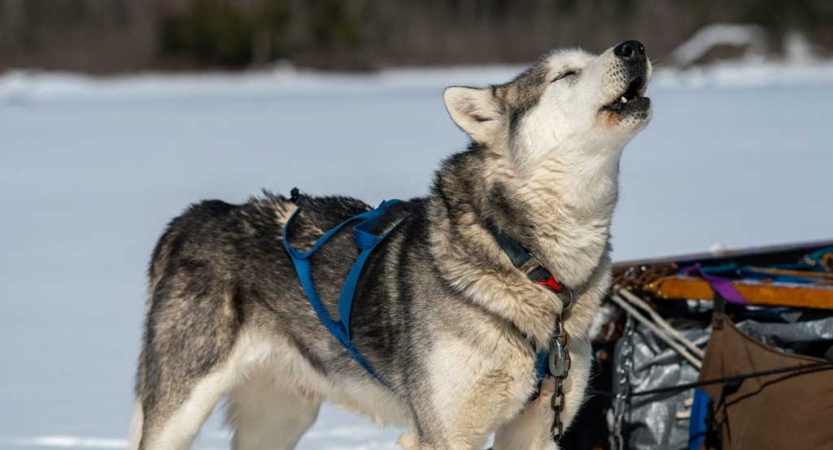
(791, 410)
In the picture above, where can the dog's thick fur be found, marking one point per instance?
(441, 312)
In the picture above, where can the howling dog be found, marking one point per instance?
(448, 325)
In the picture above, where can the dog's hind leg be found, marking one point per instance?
(173, 426)
(135, 433)
(266, 414)
(187, 363)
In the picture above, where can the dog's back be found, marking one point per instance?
(217, 271)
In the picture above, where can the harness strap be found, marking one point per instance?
(366, 241)
(724, 290)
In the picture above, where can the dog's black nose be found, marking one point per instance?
(630, 51)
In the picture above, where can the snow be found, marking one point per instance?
(720, 34)
(751, 74)
(22, 88)
(67, 442)
(91, 170)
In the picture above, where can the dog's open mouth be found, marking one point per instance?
(632, 99)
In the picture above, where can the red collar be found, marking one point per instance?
(527, 263)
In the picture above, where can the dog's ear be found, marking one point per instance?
(475, 111)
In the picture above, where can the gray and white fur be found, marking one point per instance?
(440, 311)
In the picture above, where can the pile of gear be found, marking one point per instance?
(730, 351)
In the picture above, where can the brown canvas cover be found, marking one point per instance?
(787, 411)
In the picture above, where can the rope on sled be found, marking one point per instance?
(659, 331)
(799, 369)
(697, 351)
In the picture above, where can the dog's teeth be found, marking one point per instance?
(623, 99)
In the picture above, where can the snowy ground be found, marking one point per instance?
(90, 171)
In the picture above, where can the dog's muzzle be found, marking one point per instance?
(635, 63)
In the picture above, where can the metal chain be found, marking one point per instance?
(623, 389)
(559, 362)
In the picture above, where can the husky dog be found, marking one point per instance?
(441, 312)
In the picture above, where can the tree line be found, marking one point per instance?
(113, 36)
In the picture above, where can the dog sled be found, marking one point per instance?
(714, 351)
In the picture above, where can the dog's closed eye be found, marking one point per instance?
(565, 74)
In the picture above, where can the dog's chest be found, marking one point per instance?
(474, 354)
(572, 228)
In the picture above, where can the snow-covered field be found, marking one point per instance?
(90, 171)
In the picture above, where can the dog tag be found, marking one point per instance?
(558, 360)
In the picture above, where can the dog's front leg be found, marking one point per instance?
(531, 429)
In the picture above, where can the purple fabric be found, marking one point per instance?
(720, 285)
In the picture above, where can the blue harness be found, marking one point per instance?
(365, 242)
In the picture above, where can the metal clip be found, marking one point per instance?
(557, 360)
